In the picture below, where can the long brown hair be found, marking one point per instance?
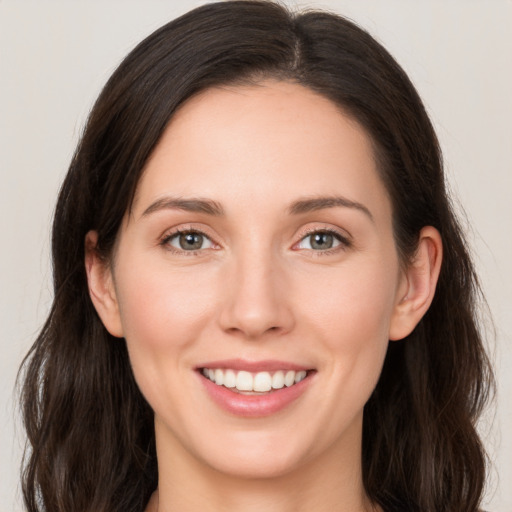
(91, 444)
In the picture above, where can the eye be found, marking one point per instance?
(188, 241)
(322, 240)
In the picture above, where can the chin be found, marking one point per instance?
(257, 456)
(256, 467)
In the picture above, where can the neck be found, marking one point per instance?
(255, 500)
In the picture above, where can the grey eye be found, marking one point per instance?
(190, 241)
(319, 241)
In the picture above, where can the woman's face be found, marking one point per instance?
(259, 250)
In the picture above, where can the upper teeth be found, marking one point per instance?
(260, 381)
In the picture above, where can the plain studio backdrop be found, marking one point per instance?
(56, 55)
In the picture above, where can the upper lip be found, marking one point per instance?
(267, 365)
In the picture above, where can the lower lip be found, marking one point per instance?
(254, 406)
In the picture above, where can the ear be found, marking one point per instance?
(101, 286)
(418, 285)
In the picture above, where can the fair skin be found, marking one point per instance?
(260, 271)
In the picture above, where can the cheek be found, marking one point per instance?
(355, 302)
(163, 312)
(158, 302)
(351, 312)
(351, 321)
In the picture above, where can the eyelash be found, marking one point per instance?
(165, 241)
(344, 242)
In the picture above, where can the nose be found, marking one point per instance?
(256, 300)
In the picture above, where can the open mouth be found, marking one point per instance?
(249, 383)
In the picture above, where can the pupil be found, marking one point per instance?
(191, 241)
(321, 241)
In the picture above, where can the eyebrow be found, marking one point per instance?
(322, 203)
(210, 207)
(197, 205)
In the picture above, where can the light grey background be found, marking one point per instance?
(54, 58)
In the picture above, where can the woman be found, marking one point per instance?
(262, 297)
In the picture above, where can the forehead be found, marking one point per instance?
(274, 140)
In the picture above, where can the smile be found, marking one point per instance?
(249, 382)
(255, 389)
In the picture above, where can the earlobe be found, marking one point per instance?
(419, 284)
(101, 286)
